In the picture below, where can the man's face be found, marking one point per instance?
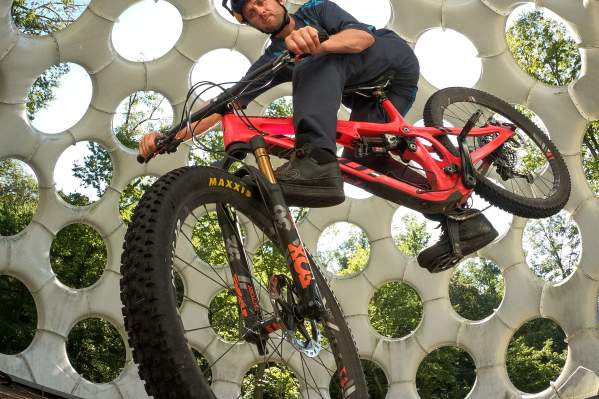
(266, 15)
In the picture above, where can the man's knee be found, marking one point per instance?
(321, 65)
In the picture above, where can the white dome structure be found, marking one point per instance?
(87, 42)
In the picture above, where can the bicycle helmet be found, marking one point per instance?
(236, 10)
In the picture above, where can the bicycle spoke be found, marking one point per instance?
(202, 273)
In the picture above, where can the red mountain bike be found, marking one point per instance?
(471, 142)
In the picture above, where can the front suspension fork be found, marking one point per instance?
(310, 305)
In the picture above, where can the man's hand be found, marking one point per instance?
(304, 41)
(147, 144)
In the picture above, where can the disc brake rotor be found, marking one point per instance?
(284, 305)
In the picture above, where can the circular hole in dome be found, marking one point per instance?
(280, 108)
(207, 239)
(447, 372)
(223, 315)
(78, 255)
(179, 288)
(530, 115)
(147, 30)
(344, 249)
(18, 315)
(395, 310)
(552, 246)
(373, 12)
(224, 13)
(266, 261)
(140, 113)
(350, 190)
(203, 365)
(536, 355)
(19, 196)
(355, 192)
(543, 45)
(271, 380)
(210, 147)
(412, 232)
(590, 156)
(298, 214)
(376, 381)
(82, 173)
(500, 219)
(46, 17)
(132, 194)
(476, 288)
(96, 350)
(221, 66)
(438, 44)
(59, 98)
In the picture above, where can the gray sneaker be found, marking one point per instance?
(311, 178)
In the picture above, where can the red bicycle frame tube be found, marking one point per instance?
(447, 190)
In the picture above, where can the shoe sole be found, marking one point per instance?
(313, 197)
(438, 259)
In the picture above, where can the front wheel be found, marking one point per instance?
(526, 176)
(175, 232)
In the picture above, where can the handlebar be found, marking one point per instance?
(168, 143)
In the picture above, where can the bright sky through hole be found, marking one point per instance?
(73, 96)
(147, 30)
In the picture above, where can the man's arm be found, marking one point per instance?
(306, 41)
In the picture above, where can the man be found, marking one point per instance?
(355, 53)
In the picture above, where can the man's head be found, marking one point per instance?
(268, 16)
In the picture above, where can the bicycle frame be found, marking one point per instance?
(442, 172)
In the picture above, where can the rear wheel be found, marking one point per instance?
(174, 231)
(526, 176)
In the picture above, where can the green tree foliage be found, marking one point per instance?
(395, 310)
(553, 246)
(447, 373)
(270, 381)
(96, 350)
(18, 197)
(18, 316)
(141, 112)
(78, 255)
(590, 156)
(350, 252)
(280, 108)
(223, 315)
(412, 237)
(543, 49)
(94, 172)
(207, 240)
(42, 17)
(131, 196)
(536, 355)
(476, 288)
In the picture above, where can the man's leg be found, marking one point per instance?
(312, 176)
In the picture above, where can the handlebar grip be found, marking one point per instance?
(140, 158)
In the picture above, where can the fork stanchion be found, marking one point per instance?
(262, 158)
